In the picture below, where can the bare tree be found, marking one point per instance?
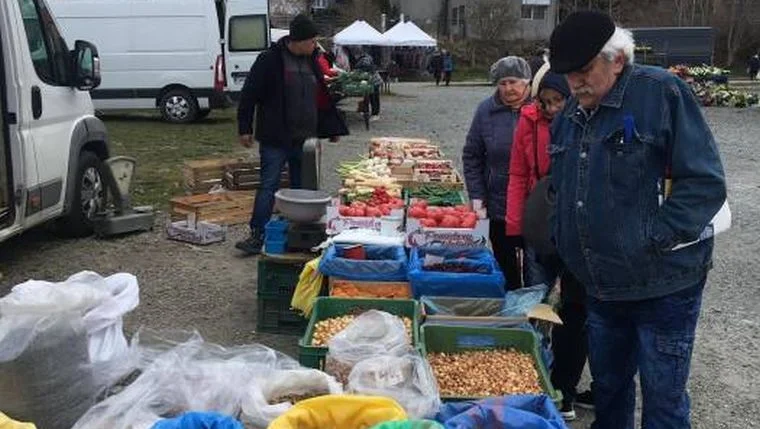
(492, 18)
(367, 10)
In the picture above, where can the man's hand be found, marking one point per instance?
(246, 140)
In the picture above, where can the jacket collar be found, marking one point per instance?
(497, 105)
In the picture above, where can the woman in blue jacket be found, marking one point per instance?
(486, 156)
(448, 66)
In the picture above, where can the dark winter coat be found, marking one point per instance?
(265, 87)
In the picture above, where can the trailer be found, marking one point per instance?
(668, 46)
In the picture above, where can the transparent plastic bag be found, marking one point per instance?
(408, 379)
(62, 345)
(185, 376)
(518, 302)
(272, 397)
(372, 333)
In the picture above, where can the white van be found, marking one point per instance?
(168, 54)
(52, 147)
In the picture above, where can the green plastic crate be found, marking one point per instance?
(452, 339)
(278, 277)
(325, 308)
(274, 316)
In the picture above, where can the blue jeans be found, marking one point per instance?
(654, 337)
(273, 159)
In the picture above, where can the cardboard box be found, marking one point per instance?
(337, 223)
(418, 235)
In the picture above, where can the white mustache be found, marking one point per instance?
(583, 91)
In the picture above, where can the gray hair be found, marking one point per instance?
(620, 42)
(510, 67)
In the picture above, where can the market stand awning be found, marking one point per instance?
(407, 34)
(359, 33)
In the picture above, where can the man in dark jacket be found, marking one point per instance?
(638, 178)
(282, 88)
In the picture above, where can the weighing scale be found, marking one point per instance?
(122, 217)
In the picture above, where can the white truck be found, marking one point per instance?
(52, 146)
(180, 56)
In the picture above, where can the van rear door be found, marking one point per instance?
(246, 35)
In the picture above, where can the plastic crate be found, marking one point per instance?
(276, 247)
(275, 316)
(276, 229)
(452, 339)
(306, 236)
(278, 278)
(325, 308)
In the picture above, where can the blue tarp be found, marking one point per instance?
(383, 264)
(508, 412)
(199, 421)
(487, 283)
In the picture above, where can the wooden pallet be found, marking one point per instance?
(203, 174)
(246, 176)
(225, 208)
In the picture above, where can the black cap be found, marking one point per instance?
(556, 82)
(578, 39)
(302, 28)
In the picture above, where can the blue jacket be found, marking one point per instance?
(448, 63)
(610, 229)
(486, 153)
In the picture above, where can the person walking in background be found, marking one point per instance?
(435, 67)
(289, 74)
(366, 64)
(753, 67)
(638, 179)
(448, 66)
(486, 154)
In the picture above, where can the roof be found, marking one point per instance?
(408, 34)
(359, 33)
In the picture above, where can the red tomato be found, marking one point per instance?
(345, 210)
(397, 203)
(386, 211)
(428, 222)
(470, 217)
(358, 211)
(421, 203)
(417, 212)
(469, 222)
(463, 208)
(373, 212)
(358, 205)
(450, 221)
(449, 211)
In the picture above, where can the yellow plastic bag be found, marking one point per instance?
(7, 423)
(340, 412)
(307, 290)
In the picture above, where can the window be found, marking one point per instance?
(49, 52)
(462, 22)
(248, 33)
(319, 4)
(455, 17)
(534, 12)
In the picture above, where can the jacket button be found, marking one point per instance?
(579, 203)
(583, 155)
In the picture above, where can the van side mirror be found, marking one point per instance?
(86, 66)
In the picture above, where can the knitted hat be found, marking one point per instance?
(302, 28)
(556, 82)
(578, 39)
(510, 67)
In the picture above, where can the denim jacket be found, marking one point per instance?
(610, 227)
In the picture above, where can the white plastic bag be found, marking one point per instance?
(260, 405)
(61, 345)
(372, 333)
(181, 373)
(408, 379)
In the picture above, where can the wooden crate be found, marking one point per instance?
(203, 174)
(224, 208)
(246, 176)
(341, 288)
(449, 181)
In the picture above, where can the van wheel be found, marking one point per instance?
(89, 197)
(179, 106)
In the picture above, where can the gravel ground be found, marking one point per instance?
(213, 290)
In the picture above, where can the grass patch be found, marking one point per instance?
(470, 74)
(161, 148)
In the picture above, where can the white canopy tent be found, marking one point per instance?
(408, 34)
(359, 33)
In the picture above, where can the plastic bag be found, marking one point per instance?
(409, 424)
(372, 333)
(387, 264)
(8, 423)
(508, 412)
(488, 284)
(518, 302)
(274, 396)
(62, 345)
(308, 288)
(340, 411)
(184, 376)
(408, 379)
(199, 421)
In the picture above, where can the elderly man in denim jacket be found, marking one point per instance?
(627, 134)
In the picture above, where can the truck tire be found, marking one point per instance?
(179, 106)
(90, 195)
